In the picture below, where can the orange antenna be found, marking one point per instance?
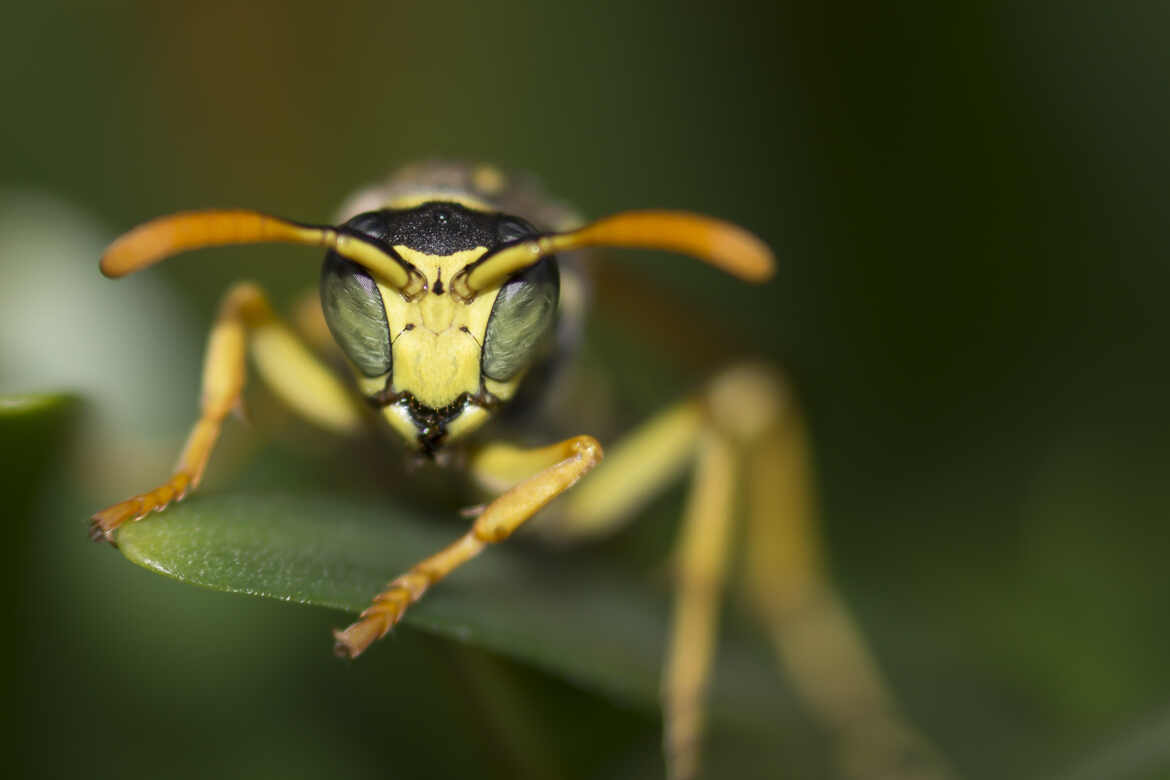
(714, 241)
(158, 239)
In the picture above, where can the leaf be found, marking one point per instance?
(33, 429)
(44, 406)
(557, 610)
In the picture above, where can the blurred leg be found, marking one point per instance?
(309, 322)
(635, 469)
(707, 431)
(702, 554)
(815, 638)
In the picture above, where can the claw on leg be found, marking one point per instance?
(353, 641)
(381, 616)
(103, 524)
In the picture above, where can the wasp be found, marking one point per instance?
(451, 289)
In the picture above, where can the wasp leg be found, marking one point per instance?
(561, 466)
(309, 322)
(282, 361)
(637, 469)
(702, 555)
(744, 431)
(814, 636)
(687, 435)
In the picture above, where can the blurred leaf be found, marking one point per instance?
(33, 428)
(32, 405)
(41, 350)
(32, 431)
(557, 610)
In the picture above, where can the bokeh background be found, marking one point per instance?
(969, 206)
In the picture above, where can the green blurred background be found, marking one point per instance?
(969, 209)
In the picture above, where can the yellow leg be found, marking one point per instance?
(309, 321)
(737, 407)
(638, 468)
(701, 571)
(282, 361)
(814, 636)
(744, 415)
(705, 431)
(635, 469)
(570, 460)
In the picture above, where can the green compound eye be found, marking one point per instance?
(523, 317)
(355, 314)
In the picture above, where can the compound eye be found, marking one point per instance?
(355, 314)
(522, 320)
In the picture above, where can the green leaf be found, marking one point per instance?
(33, 430)
(30, 405)
(561, 611)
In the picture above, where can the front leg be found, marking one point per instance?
(287, 366)
(570, 460)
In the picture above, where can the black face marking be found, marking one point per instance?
(439, 228)
(438, 288)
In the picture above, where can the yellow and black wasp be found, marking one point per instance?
(443, 289)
